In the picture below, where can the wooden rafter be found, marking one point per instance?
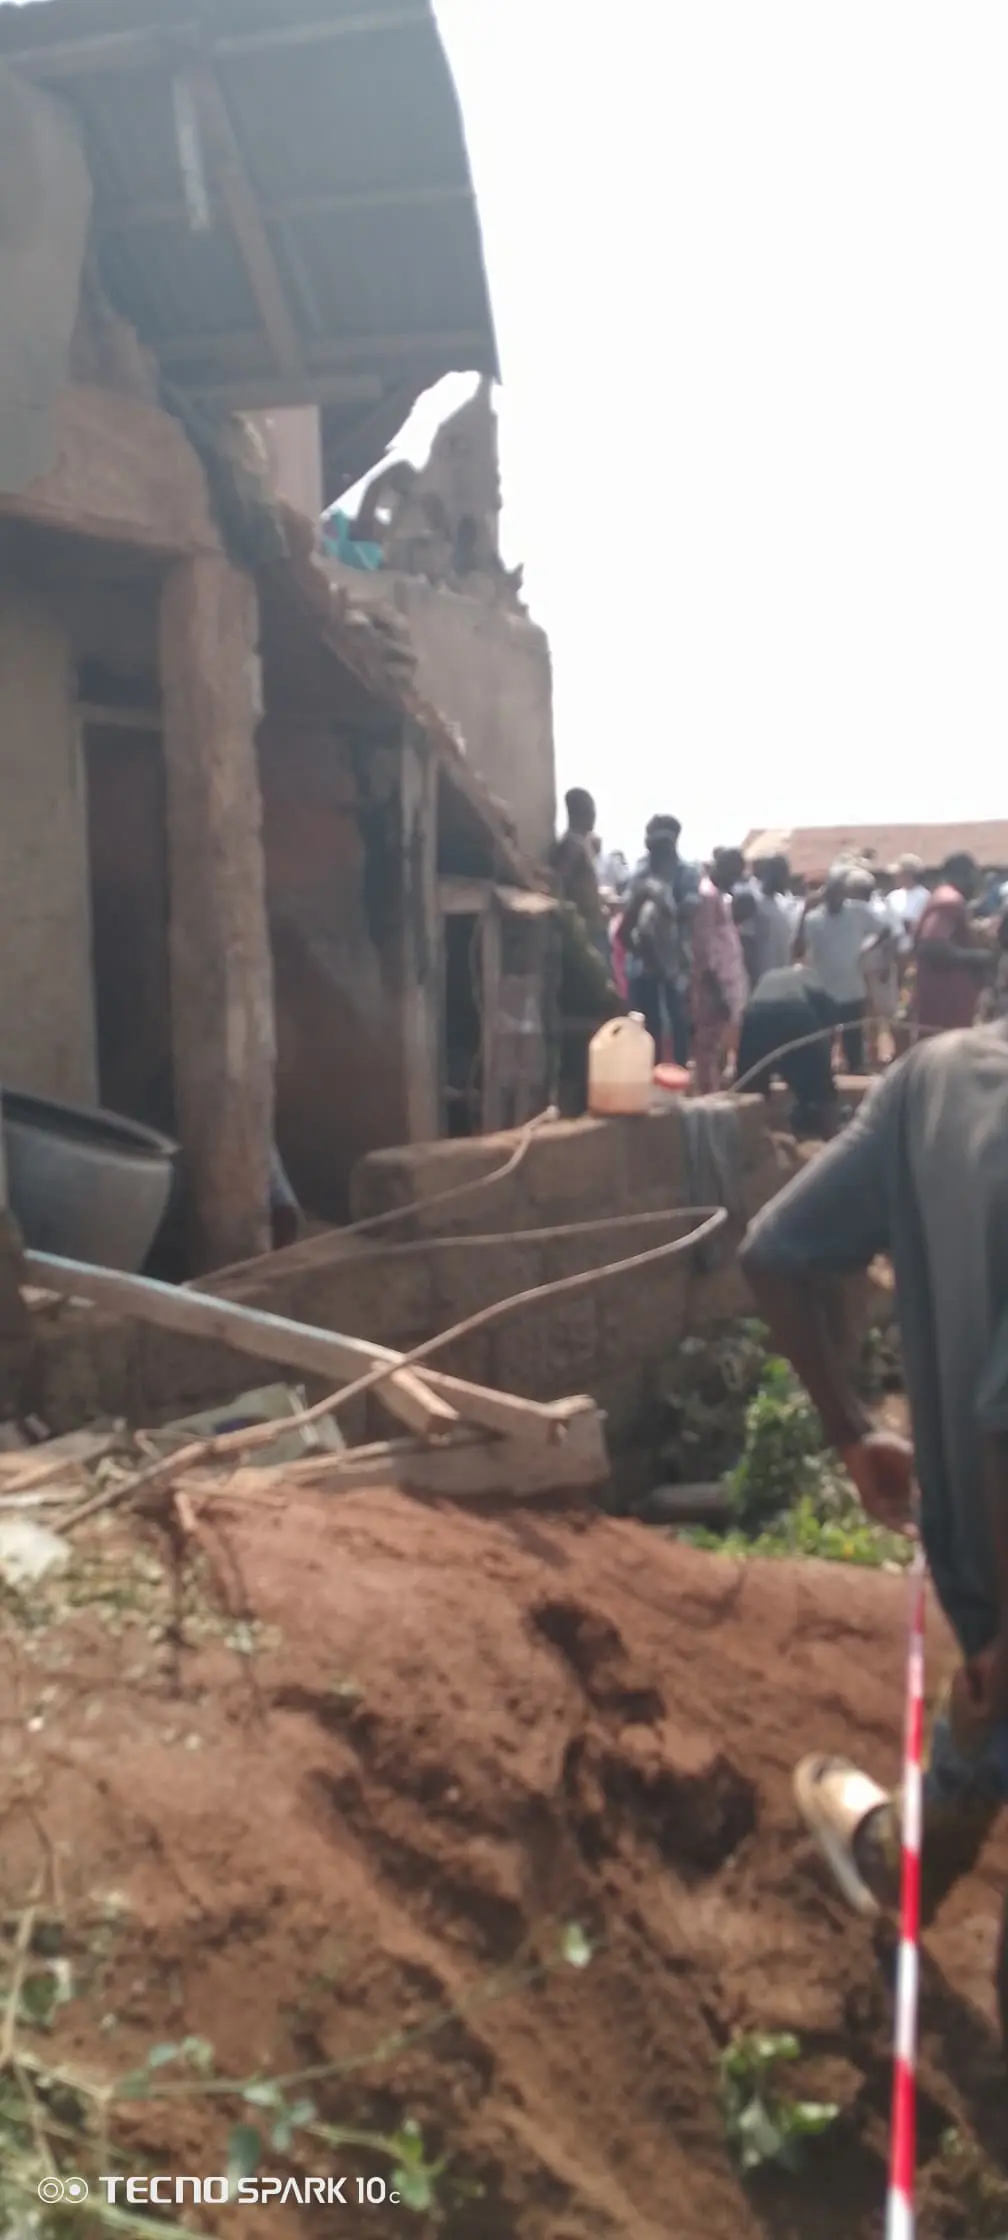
(228, 170)
(133, 217)
(141, 49)
(260, 392)
(244, 348)
(364, 25)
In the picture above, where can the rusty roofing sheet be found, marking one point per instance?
(338, 182)
(811, 849)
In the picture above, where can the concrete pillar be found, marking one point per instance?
(47, 1027)
(221, 971)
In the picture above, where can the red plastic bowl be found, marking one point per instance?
(674, 1080)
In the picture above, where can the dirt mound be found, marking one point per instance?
(339, 1834)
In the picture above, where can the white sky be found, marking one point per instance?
(749, 265)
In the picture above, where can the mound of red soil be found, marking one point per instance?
(346, 1838)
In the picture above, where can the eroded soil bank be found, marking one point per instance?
(322, 1787)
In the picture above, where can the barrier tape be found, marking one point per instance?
(900, 2216)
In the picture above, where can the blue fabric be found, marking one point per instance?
(337, 539)
(951, 1775)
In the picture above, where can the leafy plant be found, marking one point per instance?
(848, 1537)
(783, 1436)
(763, 2125)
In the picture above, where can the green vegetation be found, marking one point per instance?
(56, 2122)
(789, 1495)
(764, 2126)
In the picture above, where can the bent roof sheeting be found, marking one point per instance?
(341, 120)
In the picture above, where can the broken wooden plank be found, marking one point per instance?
(542, 1423)
(443, 1399)
(55, 1459)
(249, 1330)
(464, 1467)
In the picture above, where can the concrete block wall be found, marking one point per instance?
(47, 1024)
(578, 1200)
(488, 672)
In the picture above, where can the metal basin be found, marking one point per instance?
(85, 1185)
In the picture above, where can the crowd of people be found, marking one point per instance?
(737, 966)
(739, 971)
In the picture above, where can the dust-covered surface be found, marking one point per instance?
(348, 1805)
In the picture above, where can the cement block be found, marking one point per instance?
(643, 1316)
(467, 1276)
(549, 1351)
(576, 1167)
(654, 1151)
(384, 1295)
(416, 1175)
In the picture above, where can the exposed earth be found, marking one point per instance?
(348, 1786)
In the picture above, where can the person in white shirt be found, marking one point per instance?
(832, 942)
(908, 899)
(773, 926)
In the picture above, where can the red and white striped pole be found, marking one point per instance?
(900, 2218)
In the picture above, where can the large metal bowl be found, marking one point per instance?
(85, 1185)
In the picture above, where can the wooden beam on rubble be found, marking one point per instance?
(426, 1399)
(269, 1337)
(464, 1467)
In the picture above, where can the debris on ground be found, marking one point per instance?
(390, 1841)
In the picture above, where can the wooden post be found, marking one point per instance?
(421, 965)
(492, 1115)
(221, 969)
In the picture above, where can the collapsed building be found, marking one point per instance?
(424, 547)
(252, 886)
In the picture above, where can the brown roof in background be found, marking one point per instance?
(811, 849)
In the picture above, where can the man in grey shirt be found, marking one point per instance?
(920, 1174)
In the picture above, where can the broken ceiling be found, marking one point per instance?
(283, 203)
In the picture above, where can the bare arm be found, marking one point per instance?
(803, 1312)
(831, 1221)
(974, 954)
(637, 898)
(800, 943)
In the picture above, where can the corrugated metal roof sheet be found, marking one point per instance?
(343, 264)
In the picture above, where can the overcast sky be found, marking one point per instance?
(749, 264)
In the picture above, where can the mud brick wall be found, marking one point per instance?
(575, 1202)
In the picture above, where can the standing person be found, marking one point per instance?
(613, 871)
(718, 974)
(908, 899)
(744, 914)
(657, 935)
(993, 1003)
(573, 863)
(773, 938)
(832, 937)
(951, 963)
(879, 971)
(921, 1174)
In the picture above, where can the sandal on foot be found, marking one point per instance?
(835, 1799)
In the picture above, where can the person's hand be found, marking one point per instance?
(882, 1467)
